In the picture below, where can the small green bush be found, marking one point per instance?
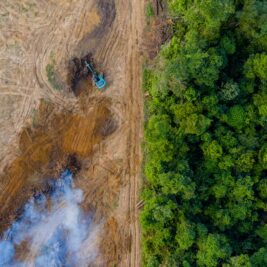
(150, 10)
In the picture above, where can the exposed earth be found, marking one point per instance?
(45, 127)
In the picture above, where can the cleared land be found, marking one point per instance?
(104, 129)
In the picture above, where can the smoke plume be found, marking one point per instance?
(52, 230)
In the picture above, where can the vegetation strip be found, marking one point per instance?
(205, 138)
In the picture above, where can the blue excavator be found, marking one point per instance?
(98, 79)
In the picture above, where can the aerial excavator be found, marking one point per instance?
(98, 79)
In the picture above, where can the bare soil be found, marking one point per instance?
(44, 126)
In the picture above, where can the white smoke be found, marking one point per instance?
(54, 229)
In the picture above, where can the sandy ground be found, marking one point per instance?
(35, 138)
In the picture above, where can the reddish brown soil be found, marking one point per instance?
(46, 148)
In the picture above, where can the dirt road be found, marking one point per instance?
(38, 39)
(119, 52)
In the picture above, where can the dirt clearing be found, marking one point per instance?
(43, 123)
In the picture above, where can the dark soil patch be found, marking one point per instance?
(107, 9)
(59, 141)
(79, 77)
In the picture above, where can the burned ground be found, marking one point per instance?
(49, 148)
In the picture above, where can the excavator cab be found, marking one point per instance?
(99, 81)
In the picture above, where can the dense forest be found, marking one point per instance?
(205, 150)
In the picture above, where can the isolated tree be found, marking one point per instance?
(236, 116)
(259, 258)
(212, 249)
(185, 234)
(230, 90)
(256, 66)
(239, 261)
(253, 22)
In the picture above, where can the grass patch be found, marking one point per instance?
(150, 13)
(147, 79)
(51, 76)
(35, 118)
